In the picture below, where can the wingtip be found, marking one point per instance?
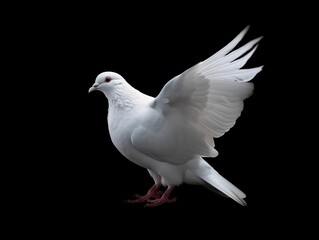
(243, 32)
(259, 38)
(245, 29)
(258, 69)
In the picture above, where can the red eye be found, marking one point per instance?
(108, 79)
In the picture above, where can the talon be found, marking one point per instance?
(137, 196)
(154, 197)
(159, 194)
(172, 200)
(152, 193)
(163, 199)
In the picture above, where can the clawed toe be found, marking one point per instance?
(154, 197)
(153, 193)
(159, 201)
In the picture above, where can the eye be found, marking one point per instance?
(107, 79)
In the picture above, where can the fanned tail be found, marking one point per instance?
(213, 178)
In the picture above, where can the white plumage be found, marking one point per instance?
(171, 133)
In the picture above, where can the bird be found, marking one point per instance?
(172, 135)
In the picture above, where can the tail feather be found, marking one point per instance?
(213, 178)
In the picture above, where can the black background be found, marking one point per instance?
(79, 181)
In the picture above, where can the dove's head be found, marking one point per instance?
(106, 82)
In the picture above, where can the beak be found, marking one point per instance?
(94, 87)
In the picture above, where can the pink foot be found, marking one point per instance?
(152, 193)
(162, 200)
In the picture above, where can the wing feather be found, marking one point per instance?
(199, 105)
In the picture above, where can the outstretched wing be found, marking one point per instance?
(200, 104)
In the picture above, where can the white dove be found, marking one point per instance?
(169, 135)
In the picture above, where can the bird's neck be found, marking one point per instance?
(124, 98)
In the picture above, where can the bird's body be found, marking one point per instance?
(125, 121)
(169, 135)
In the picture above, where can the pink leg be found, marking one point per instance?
(152, 193)
(163, 199)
